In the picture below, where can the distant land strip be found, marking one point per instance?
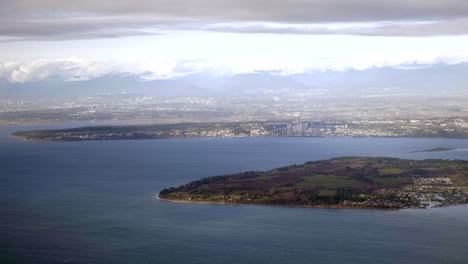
(433, 150)
(347, 182)
(247, 129)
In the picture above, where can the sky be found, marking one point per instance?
(162, 39)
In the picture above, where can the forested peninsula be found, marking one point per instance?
(347, 182)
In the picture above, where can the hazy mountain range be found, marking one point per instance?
(408, 79)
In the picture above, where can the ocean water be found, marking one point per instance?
(94, 202)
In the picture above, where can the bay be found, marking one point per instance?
(94, 202)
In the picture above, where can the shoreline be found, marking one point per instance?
(123, 139)
(307, 206)
(32, 140)
(284, 205)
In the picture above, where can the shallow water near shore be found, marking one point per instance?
(94, 202)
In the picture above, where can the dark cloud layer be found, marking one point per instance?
(58, 19)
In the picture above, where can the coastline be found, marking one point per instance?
(139, 138)
(245, 129)
(324, 206)
(308, 206)
(32, 140)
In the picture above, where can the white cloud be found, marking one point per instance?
(381, 28)
(87, 19)
(78, 69)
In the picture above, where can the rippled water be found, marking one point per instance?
(93, 202)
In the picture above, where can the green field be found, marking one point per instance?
(392, 180)
(327, 181)
(391, 171)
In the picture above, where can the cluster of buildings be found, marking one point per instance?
(261, 129)
(423, 193)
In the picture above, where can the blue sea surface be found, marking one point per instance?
(95, 202)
